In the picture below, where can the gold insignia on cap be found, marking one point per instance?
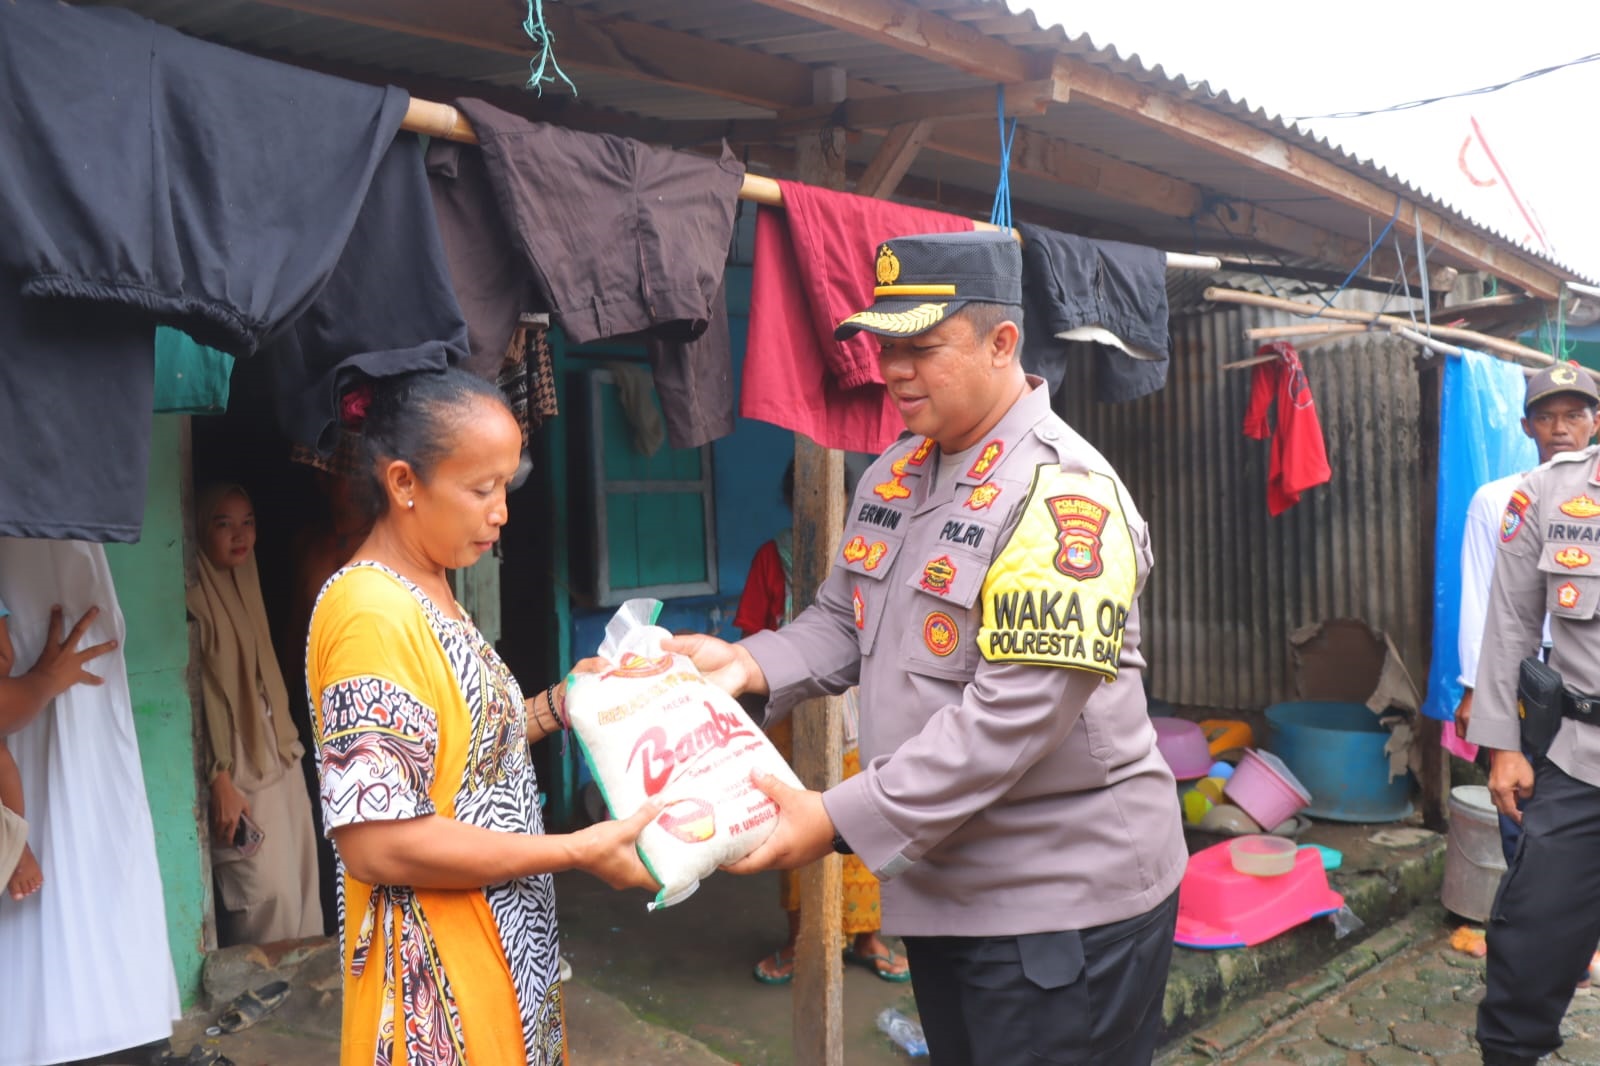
(919, 318)
(888, 265)
(1561, 375)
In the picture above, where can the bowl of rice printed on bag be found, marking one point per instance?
(652, 727)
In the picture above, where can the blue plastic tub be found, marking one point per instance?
(1336, 750)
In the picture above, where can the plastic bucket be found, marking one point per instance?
(1183, 745)
(1336, 750)
(1264, 790)
(1473, 860)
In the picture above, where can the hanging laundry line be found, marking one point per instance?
(444, 121)
(1482, 341)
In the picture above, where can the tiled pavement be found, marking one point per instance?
(1403, 998)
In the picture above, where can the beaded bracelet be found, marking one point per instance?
(555, 715)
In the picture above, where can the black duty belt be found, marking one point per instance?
(1579, 707)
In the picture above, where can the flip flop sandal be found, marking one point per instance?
(251, 1007)
(878, 965)
(766, 971)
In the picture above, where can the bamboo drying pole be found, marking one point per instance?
(444, 121)
(1278, 333)
(1496, 345)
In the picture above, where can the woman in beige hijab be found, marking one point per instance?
(267, 890)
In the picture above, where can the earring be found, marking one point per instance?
(410, 504)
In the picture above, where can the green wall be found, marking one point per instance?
(150, 588)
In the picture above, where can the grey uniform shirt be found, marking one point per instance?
(1548, 561)
(1000, 795)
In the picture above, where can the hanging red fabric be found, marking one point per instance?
(1299, 458)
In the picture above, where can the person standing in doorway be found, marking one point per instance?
(1544, 923)
(1013, 802)
(264, 848)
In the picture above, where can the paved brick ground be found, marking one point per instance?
(1405, 998)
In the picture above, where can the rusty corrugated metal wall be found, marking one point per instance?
(1231, 583)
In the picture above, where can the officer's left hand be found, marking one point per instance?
(804, 833)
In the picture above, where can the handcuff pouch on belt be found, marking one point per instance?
(1541, 702)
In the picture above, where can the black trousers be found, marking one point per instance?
(1544, 923)
(1090, 996)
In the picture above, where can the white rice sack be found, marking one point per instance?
(651, 726)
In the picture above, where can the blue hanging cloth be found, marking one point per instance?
(1480, 440)
(1000, 213)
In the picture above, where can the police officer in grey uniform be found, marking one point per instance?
(1012, 799)
(1546, 916)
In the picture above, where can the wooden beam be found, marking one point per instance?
(586, 41)
(1059, 161)
(873, 113)
(557, 110)
(1269, 153)
(961, 200)
(894, 158)
(909, 28)
(650, 53)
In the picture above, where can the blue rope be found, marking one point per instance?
(1000, 213)
(544, 40)
(1357, 268)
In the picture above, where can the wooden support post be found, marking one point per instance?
(1435, 768)
(894, 158)
(818, 1038)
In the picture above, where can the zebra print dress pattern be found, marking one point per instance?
(377, 752)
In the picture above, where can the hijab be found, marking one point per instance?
(238, 664)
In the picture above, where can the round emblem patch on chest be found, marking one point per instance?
(939, 633)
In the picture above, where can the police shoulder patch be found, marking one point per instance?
(1059, 592)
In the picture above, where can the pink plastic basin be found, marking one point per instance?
(1264, 789)
(1183, 745)
(1218, 907)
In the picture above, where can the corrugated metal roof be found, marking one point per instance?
(1108, 57)
(271, 27)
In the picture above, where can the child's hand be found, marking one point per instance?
(61, 664)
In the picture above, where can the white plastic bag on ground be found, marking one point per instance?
(651, 726)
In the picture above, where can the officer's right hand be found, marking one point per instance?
(728, 666)
(1510, 782)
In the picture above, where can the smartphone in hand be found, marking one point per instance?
(248, 836)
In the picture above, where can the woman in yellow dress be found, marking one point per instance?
(447, 911)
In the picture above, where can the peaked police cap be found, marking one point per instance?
(922, 280)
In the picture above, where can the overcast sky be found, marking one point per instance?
(1348, 55)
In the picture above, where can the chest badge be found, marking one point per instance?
(875, 554)
(982, 497)
(938, 574)
(1581, 507)
(856, 550)
(940, 634)
(894, 488)
(1079, 521)
(1572, 557)
(860, 606)
(986, 459)
(1567, 596)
